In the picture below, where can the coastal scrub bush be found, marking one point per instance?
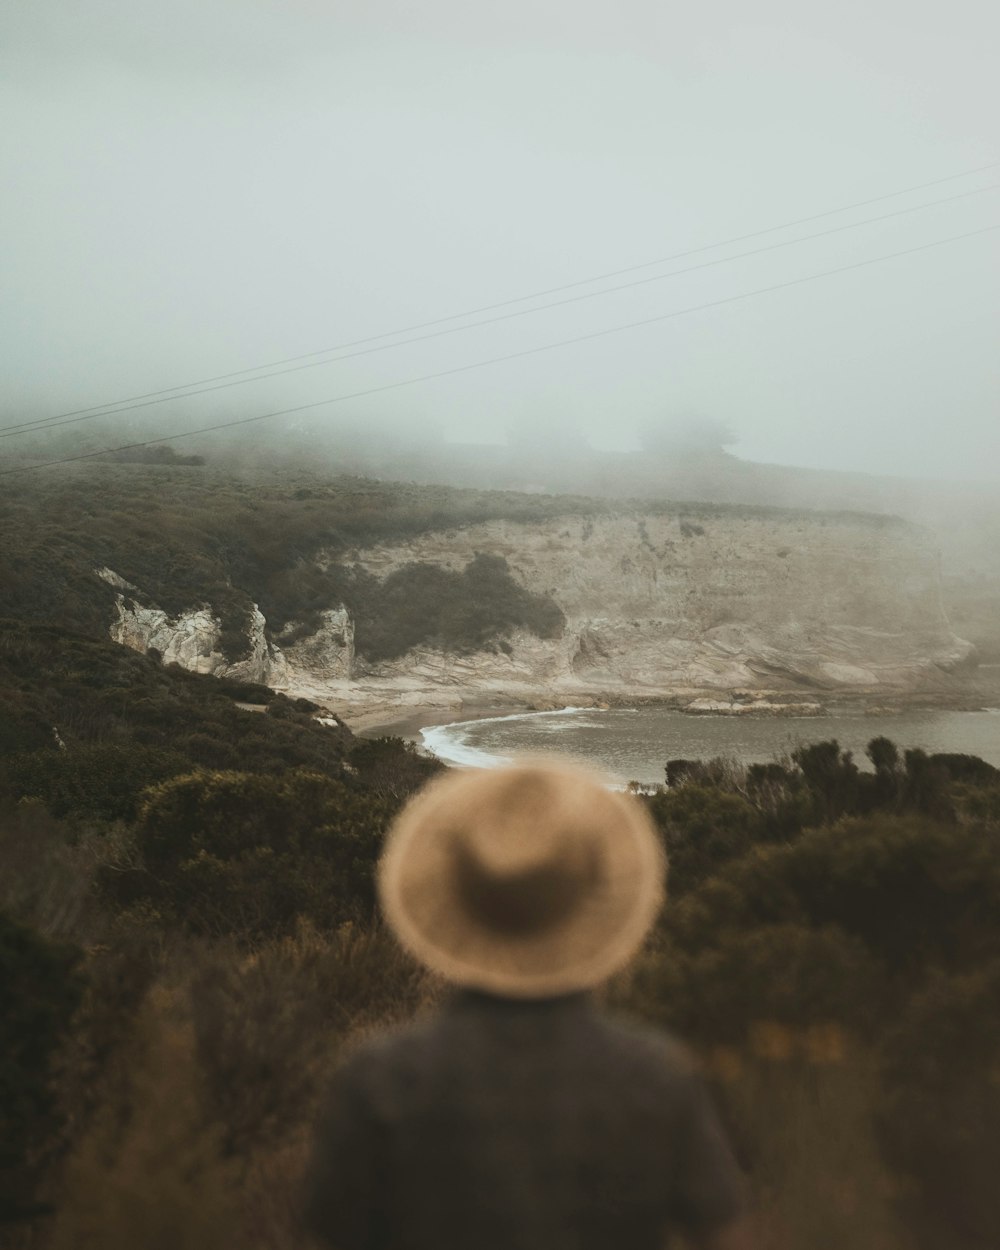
(227, 540)
(47, 870)
(230, 852)
(831, 777)
(702, 829)
(426, 604)
(918, 893)
(147, 1168)
(741, 985)
(269, 1025)
(101, 696)
(391, 767)
(102, 780)
(940, 1109)
(40, 988)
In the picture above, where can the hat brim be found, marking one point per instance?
(583, 949)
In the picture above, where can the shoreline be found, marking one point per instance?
(405, 717)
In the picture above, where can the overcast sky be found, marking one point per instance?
(204, 186)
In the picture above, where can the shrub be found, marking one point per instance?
(40, 989)
(702, 829)
(149, 1169)
(426, 604)
(779, 975)
(919, 894)
(831, 777)
(269, 1026)
(391, 767)
(940, 1109)
(102, 780)
(232, 852)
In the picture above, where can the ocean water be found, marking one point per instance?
(634, 744)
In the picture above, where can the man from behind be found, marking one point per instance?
(520, 1116)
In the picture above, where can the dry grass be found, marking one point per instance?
(801, 1109)
(151, 1172)
(196, 1130)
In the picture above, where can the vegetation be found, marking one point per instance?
(832, 950)
(181, 974)
(284, 542)
(40, 991)
(251, 856)
(422, 603)
(188, 940)
(86, 725)
(167, 858)
(188, 936)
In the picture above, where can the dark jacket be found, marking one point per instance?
(518, 1125)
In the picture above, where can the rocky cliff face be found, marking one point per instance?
(703, 600)
(192, 640)
(698, 601)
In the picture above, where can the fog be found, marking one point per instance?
(194, 189)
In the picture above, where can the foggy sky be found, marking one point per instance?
(208, 185)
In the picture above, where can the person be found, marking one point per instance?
(521, 1116)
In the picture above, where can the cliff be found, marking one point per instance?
(686, 600)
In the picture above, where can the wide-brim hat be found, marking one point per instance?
(527, 881)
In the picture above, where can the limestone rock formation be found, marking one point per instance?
(327, 654)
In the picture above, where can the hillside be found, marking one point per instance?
(318, 585)
(188, 937)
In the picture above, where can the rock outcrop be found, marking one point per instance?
(192, 640)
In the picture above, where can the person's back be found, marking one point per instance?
(519, 1125)
(519, 1117)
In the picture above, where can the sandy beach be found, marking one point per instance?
(406, 722)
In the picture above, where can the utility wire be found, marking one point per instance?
(530, 351)
(520, 299)
(56, 422)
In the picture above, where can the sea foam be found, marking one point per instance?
(449, 743)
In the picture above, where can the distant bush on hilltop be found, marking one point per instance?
(158, 453)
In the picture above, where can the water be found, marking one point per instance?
(634, 743)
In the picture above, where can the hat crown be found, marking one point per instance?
(517, 883)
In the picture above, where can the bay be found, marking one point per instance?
(633, 744)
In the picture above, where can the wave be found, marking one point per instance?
(449, 743)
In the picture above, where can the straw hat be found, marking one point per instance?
(526, 881)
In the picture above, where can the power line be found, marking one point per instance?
(58, 421)
(520, 299)
(530, 351)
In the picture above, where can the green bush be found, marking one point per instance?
(227, 541)
(230, 852)
(918, 893)
(425, 604)
(391, 767)
(702, 829)
(784, 974)
(940, 1109)
(102, 697)
(103, 781)
(39, 990)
